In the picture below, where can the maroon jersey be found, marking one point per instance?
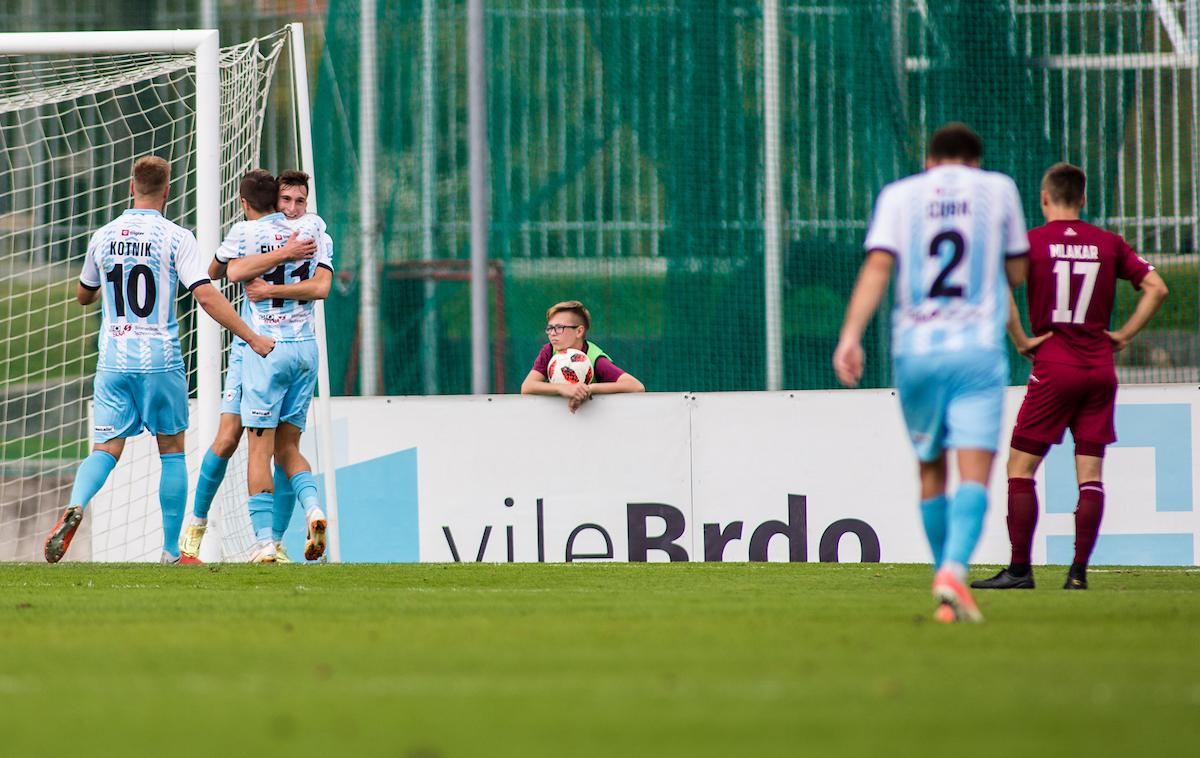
(605, 370)
(1073, 272)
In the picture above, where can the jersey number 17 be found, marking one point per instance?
(1063, 270)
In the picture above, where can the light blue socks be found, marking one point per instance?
(306, 490)
(212, 473)
(285, 503)
(966, 522)
(172, 497)
(934, 515)
(91, 475)
(261, 506)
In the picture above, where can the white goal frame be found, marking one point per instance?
(205, 45)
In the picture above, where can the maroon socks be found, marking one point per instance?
(1022, 519)
(1088, 514)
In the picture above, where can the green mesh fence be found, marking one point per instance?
(627, 168)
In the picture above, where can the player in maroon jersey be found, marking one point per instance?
(1073, 272)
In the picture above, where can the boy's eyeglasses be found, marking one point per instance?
(559, 328)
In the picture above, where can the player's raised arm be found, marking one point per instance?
(215, 304)
(248, 267)
(192, 275)
(315, 287)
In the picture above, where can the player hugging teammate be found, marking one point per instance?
(285, 258)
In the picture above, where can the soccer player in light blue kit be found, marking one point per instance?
(956, 237)
(137, 261)
(276, 393)
(293, 204)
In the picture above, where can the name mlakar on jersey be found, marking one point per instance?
(1075, 252)
(947, 208)
(123, 247)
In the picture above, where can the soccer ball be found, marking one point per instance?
(570, 366)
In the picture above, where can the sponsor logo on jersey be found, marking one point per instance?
(104, 428)
(275, 319)
(1070, 232)
(119, 330)
(260, 412)
(229, 394)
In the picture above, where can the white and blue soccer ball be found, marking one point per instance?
(569, 366)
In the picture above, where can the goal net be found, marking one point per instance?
(70, 128)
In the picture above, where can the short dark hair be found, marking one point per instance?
(955, 141)
(293, 178)
(1065, 184)
(150, 175)
(260, 189)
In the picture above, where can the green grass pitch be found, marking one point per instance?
(421, 661)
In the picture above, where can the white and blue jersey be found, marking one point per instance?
(284, 320)
(139, 259)
(950, 228)
(279, 388)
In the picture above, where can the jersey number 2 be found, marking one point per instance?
(958, 248)
(1062, 313)
(140, 291)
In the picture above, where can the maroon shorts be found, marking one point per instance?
(1060, 397)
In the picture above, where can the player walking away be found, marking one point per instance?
(1073, 272)
(139, 260)
(293, 203)
(956, 236)
(276, 393)
(567, 325)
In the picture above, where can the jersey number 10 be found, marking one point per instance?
(139, 292)
(1063, 270)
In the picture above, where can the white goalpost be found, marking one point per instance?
(75, 110)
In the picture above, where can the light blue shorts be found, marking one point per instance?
(279, 388)
(952, 400)
(231, 398)
(127, 403)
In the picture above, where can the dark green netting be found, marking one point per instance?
(627, 169)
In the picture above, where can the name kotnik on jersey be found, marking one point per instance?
(129, 247)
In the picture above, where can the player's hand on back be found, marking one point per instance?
(1119, 341)
(262, 345)
(848, 362)
(296, 249)
(1030, 346)
(258, 290)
